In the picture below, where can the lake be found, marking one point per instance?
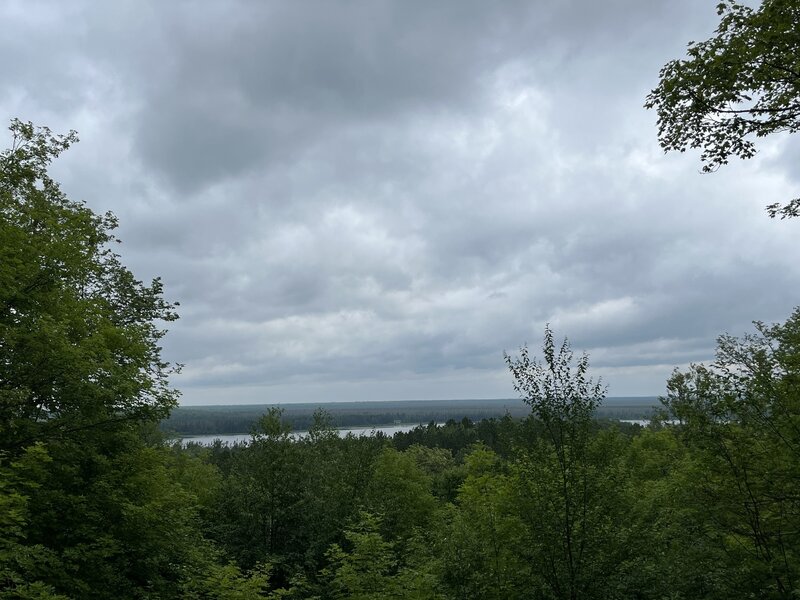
(646, 422)
(208, 440)
(390, 430)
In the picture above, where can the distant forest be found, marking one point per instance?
(208, 420)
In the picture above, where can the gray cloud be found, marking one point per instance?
(379, 198)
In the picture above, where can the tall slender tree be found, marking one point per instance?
(563, 491)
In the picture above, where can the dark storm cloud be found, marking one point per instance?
(256, 87)
(259, 86)
(366, 198)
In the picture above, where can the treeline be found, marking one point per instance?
(206, 420)
(196, 420)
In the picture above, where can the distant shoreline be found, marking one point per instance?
(326, 403)
(235, 418)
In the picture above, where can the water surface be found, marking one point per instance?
(208, 440)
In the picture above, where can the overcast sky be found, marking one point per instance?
(373, 200)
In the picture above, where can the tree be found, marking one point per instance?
(560, 481)
(17, 559)
(78, 333)
(400, 493)
(367, 571)
(479, 542)
(563, 397)
(261, 507)
(228, 582)
(369, 567)
(742, 83)
(667, 550)
(741, 419)
(93, 507)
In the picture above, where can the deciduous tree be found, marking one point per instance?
(742, 83)
(79, 334)
(741, 420)
(560, 483)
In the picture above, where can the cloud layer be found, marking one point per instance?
(369, 200)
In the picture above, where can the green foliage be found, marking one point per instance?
(271, 427)
(566, 486)
(483, 555)
(366, 571)
(562, 396)
(574, 520)
(667, 550)
(90, 507)
(439, 465)
(456, 436)
(742, 83)
(79, 333)
(284, 500)
(116, 522)
(260, 501)
(742, 424)
(368, 568)
(400, 493)
(228, 582)
(17, 560)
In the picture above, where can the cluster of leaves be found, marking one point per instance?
(742, 83)
(78, 333)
